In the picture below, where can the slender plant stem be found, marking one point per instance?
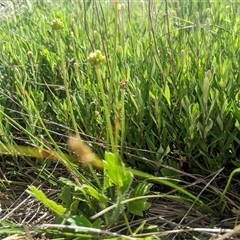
(66, 85)
(65, 81)
(122, 121)
(113, 65)
(119, 206)
(127, 222)
(106, 108)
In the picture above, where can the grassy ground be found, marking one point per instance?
(114, 114)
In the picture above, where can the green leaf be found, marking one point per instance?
(107, 183)
(74, 206)
(70, 183)
(135, 103)
(167, 94)
(208, 127)
(97, 223)
(59, 15)
(113, 169)
(220, 122)
(166, 172)
(85, 189)
(65, 195)
(94, 193)
(50, 204)
(138, 206)
(236, 112)
(116, 172)
(127, 181)
(80, 221)
(236, 163)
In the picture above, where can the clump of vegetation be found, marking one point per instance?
(116, 104)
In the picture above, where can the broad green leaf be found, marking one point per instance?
(114, 168)
(50, 204)
(79, 221)
(116, 172)
(97, 223)
(65, 195)
(138, 206)
(107, 182)
(211, 108)
(94, 193)
(74, 206)
(127, 181)
(85, 189)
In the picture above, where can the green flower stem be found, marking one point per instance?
(66, 85)
(65, 81)
(106, 107)
(80, 82)
(120, 207)
(113, 65)
(122, 121)
(127, 222)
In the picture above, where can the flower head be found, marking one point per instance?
(30, 54)
(57, 24)
(96, 58)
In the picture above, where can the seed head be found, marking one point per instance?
(208, 22)
(123, 84)
(197, 15)
(75, 65)
(208, 74)
(96, 58)
(57, 24)
(208, 10)
(30, 54)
